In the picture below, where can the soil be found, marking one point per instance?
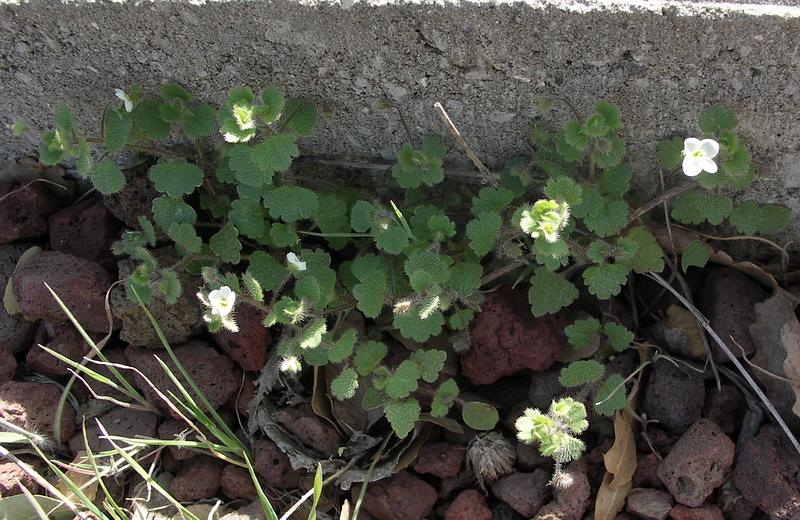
(696, 442)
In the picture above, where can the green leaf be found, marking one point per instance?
(249, 217)
(175, 91)
(343, 347)
(482, 232)
(368, 356)
(283, 235)
(429, 363)
(738, 163)
(611, 154)
(492, 200)
(605, 280)
(691, 208)
(550, 292)
(551, 254)
(745, 217)
(311, 336)
(402, 416)
(416, 168)
(621, 338)
(290, 203)
(403, 380)
(616, 181)
(479, 416)
(185, 235)
(580, 373)
(317, 282)
(64, 118)
(580, 333)
(176, 178)
(169, 210)
(373, 273)
(648, 252)
(609, 219)
(464, 278)
(716, 119)
(345, 384)
(362, 216)
(273, 104)
(116, 127)
(301, 116)
(201, 123)
(269, 273)
(563, 189)
(276, 153)
(147, 116)
(696, 253)
(574, 136)
(610, 114)
(331, 216)
(170, 286)
(84, 165)
(226, 244)
(591, 202)
(611, 396)
(172, 111)
(246, 169)
(773, 219)
(412, 326)
(51, 150)
(426, 268)
(107, 177)
(392, 240)
(670, 153)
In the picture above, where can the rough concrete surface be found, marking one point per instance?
(662, 62)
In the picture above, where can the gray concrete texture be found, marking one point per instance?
(661, 62)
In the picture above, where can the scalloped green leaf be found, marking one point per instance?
(491, 200)
(580, 333)
(670, 153)
(185, 235)
(609, 219)
(170, 286)
(147, 116)
(482, 232)
(116, 127)
(344, 386)
(107, 177)
(226, 244)
(168, 210)
(745, 217)
(249, 217)
(411, 325)
(176, 178)
(611, 396)
(773, 218)
(343, 347)
(402, 416)
(429, 363)
(563, 189)
(550, 292)
(268, 271)
(301, 116)
(245, 167)
(427, 268)
(276, 153)
(202, 122)
(370, 293)
(392, 240)
(621, 338)
(464, 278)
(648, 254)
(696, 253)
(368, 356)
(605, 280)
(717, 119)
(403, 380)
(290, 203)
(579, 373)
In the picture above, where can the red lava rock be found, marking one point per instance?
(722, 406)
(273, 464)
(24, 212)
(70, 227)
(8, 363)
(117, 356)
(10, 472)
(172, 429)
(80, 283)
(571, 501)
(524, 492)
(766, 474)
(649, 504)
(236, 483)
(198, 478)
(442, 459)
(399, 497)
(667, 381)
(529, 457)
(117, 421)
(248, 347)
(136, 198)
(240, 400)
(704, 512)
(15, 332)
(212, 372)
(64, 339)
(32, 406)
(253, 511)
(646, 474)
(309, 428)
(468, 505)
(506, 338)
(728, 299)
(698, 463)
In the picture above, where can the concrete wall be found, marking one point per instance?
(661, 62)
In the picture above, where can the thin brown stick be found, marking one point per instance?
(487, 175)
(672, 192)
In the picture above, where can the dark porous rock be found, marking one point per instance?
(211, 371)
(722, 406)
(402, 496)
(32, 406)
(172, 429)
(64, 339)
(526, 493)
(236, 483)
(118, 421)
(178, 321)
(15, 331)
(24, 211)
(442, 459)
(649, 504)
(135, 199)
(507, 338)
(248, 347)
(81, 284)
(198, 479)
(728, 299)
(70, 227)
(8, 364)
(468, 505)
(704, 512)
(667, 381)
(766, 474)
(571, 498)
(273, 464)
(646, 474)
(240, 400)
(309, 428)
(12, 476)
(698, 463)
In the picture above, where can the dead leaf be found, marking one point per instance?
(10, 301)
(679, 331)
(85, 480)
(620, 462)
(610, 502)
(790, 338)
(29, 169)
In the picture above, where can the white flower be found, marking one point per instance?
(699, 156)
(291, 364)
(124, 97)
(294, 263)
(222, 300)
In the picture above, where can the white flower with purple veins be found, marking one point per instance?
(699, 156)
(222, 300)
(124, 97)
(294, 263)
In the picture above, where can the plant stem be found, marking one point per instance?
(487, 175)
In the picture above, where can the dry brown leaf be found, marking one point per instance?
(681, 333)
(29, 169)
(790, 338)
(620, 462)
(85, 480)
